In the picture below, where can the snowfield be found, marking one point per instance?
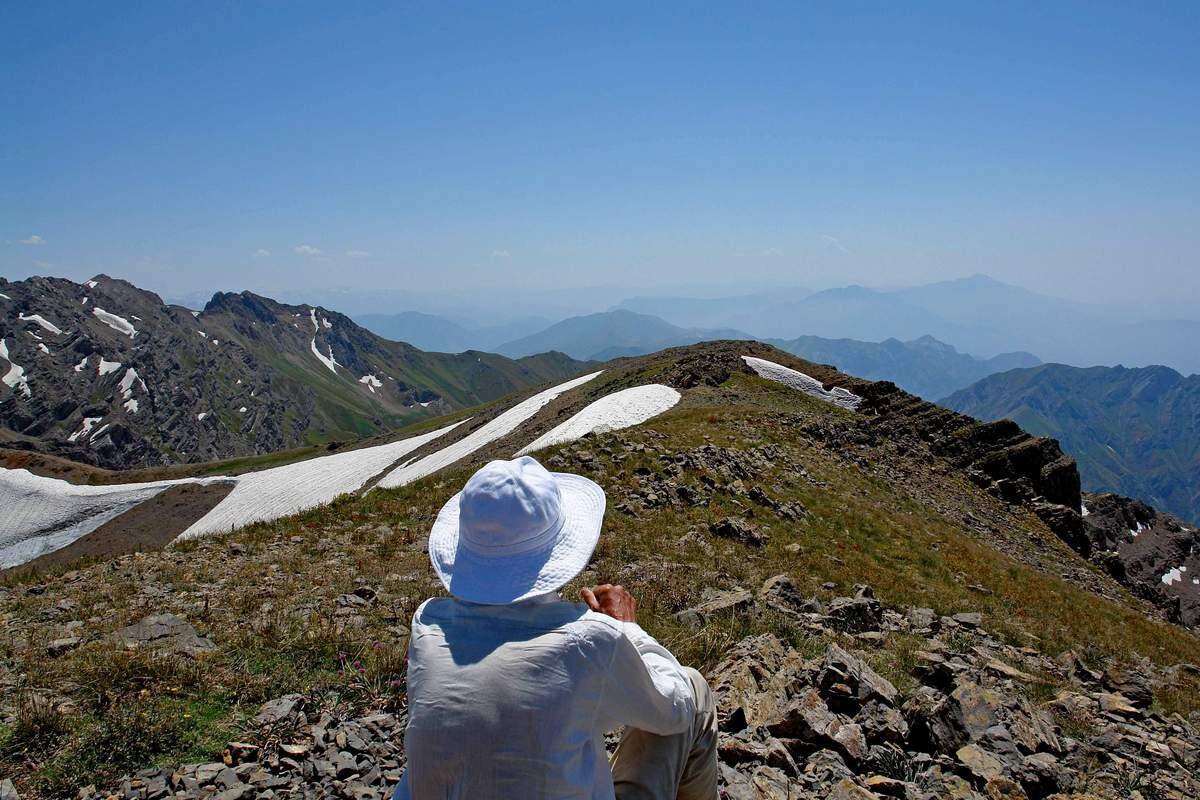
(45, 514)
(804, 383)
(502, 425)
(107, 366)
(15, 377)
(88, 424)
(280, 491)
(371, 382)
(622, 409)
(119, 324)
(40, 320)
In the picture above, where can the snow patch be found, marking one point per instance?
(88, 424)
(200, 417)
(327, 361)
(622, 409)
(280, 491)
(42, 515)
(203, 335)
(6, 297)
(131, 405)
(43, 348)
(371, 382)
(804, 383)
(119, 324)
(502, 425)
(195, 313)
(83, 302)
(1140, 527)
(40, 320)
(216, 341)
(15, 377)
(79, 367)
(99, 431)
(127, 381)
(107, 366)
(1174, 575)
(90, 284)
(242, 410)
(1083, 510)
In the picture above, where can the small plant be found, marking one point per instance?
(39, 727)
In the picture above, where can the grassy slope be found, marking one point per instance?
(274, 613)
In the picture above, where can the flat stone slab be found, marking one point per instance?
(164, 632)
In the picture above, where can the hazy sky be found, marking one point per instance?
(287, 146)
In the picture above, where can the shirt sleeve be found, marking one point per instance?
(646, 687)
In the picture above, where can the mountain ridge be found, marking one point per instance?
(137, 382)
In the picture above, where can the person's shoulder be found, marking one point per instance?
(599, 626)
(433, 608)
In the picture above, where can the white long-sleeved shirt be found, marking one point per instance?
(513, 701)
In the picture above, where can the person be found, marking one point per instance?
(511, 689)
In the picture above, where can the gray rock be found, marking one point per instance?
(166, 633)
(8, 791)
(274, 711)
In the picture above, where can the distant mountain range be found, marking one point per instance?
(978, 315)
(925, 367)
(612, 334)
(103, 372)
(444, 335)
(1132, 431)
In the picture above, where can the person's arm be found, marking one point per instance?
(646, 686)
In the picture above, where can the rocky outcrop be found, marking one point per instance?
(1155, 554)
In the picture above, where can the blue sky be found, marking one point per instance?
(198, 146)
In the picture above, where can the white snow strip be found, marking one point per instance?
(326, 323)
(326, 360)
(88, 424)
(15, 377)
(312, 314)
(79, 367)
(83, 302)
(107, 366)
(35, 336)
(195, 313)
(43, 348)
(280, 491)
(622, 409)
(40, 320)
(203, 335)
(6, 297)
(90, 284)
(99, 431)
(131, 405)
(119, 324)
(42, 515)
(502, 425)
(371, 382)
(804, 383)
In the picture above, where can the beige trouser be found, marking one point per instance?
(679, 767)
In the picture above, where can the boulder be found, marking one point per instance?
(738, 530)
(733, 601)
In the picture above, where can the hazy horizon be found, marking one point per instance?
(630, 150)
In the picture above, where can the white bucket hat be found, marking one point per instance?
(515, 530)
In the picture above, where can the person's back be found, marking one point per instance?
(524, 683)
(511, 689)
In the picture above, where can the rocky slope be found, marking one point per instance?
(1132, 431)
(991, 659)
(105, 373)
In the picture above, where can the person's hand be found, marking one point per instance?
(611, 600)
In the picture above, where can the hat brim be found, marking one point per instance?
(499, 580)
